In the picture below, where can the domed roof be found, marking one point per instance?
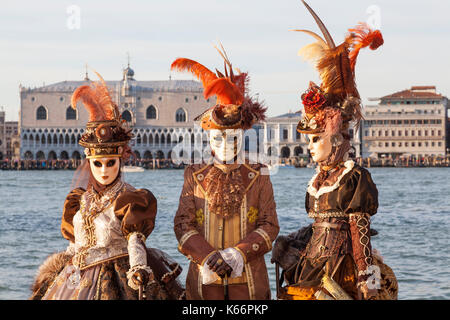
(128, 73)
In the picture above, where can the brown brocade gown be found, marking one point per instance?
(340, 243)
(96, 262)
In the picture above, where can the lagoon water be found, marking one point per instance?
(413, 222)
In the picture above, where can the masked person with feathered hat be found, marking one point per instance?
(333, 258)
(226, 219)
(106, 221)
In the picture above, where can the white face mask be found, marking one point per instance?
(319, 147)
(223, 143)
(105, 170)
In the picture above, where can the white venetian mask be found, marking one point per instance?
(105, 170)
(319, 146)
(226, 144)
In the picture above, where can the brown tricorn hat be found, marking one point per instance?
(234, 108)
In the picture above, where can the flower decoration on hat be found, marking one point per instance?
(105, 135)
(336, 102)
(234, 108)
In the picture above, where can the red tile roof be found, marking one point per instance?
(418, 92)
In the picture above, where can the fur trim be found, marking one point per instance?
(286, 250)
(48, 272)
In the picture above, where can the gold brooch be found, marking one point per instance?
(252, 214)
(199, 216)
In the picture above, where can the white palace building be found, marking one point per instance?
(160, 114)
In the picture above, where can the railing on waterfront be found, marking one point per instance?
(298, 162)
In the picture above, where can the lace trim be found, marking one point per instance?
(91, 206)
(349, 164)
(131, 272)
(136, 250)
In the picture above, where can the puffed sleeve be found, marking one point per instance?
(259, 242)
(365, 194)
(71, 207)
(137, 211)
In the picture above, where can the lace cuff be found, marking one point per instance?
(132, 271)
(137, 255)
(234, 260)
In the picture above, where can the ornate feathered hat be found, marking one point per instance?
(105, 135)
(234, 108)
(331, 106)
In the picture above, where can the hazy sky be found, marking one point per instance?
(40, 43)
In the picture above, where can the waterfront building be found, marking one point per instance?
(160, 114)
(408, 123)
(282, 139)
(9, 138)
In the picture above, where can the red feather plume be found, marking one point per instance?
(226, 92)
(360, 37)
(197, 69)
(96, 100)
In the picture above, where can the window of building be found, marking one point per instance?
(406, 133)
(393, 144)
(426, 143)
(380, 133)
(406, 144)
(432, 144)
(186, 100)
(439, 133)
(386, 144)
(412, 133)
(426, 132)
(386, 133)
(399, 133)
(151, 112)
(439, 144)
(180, 115)
(366, 133)
(41, 113)
(285, 134)
(419, 133)
(413, 144)
(399, 144)
(71, 114)
(419, 144)
(393, 133)
(126, 115)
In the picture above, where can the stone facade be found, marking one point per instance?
(282, 139)
(9, 138)
(408, 123)
(160, 114)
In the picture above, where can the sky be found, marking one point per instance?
(44, 42)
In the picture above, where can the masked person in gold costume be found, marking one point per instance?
(226, 219)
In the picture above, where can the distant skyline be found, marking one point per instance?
(45, 42)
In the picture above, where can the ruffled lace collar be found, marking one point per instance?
(349, 164)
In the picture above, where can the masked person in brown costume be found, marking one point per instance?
(335, 257)
(106, 221)
(226, 219)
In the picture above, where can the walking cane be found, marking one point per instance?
(225, 288)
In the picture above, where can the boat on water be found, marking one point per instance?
(132, 169)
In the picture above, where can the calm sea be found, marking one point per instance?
(413, 222)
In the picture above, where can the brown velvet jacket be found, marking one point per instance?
(252, 231)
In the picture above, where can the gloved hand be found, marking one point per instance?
(217, 264)
(141, 277)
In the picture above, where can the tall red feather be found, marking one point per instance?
(198, 70)
(90, 101)
(226, 92)
(360, 37)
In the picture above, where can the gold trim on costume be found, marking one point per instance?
(186, 236)
(266, 237)
(257, 174)
(250, 281)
